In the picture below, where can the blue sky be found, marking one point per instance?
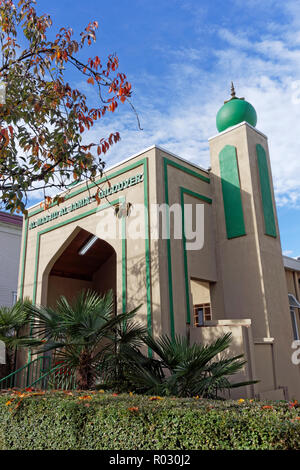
(180, 56)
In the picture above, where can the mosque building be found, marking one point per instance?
(198, 249)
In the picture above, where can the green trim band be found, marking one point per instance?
(147, 252)
(186, 170)
(265, 190)
(168, 162)
(184, 191)
(232, 199)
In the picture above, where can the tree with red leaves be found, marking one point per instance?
(42, 118)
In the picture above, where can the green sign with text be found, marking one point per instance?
(114, 188)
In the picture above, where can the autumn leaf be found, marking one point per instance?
(98, 199)
(47, 124)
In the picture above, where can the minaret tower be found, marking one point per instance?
(248, 242)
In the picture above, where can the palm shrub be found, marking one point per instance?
(14, 323)
(185, 370)
(108, 350)
(117, 361)
(80, 333)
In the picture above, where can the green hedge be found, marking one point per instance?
(60, 421)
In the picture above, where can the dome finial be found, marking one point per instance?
(233, 95)
(232, 91)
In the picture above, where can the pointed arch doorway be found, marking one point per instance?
(79, 268)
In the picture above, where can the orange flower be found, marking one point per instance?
(241, 400)
(134, 409)
(293, 404)
(295, 419)
(155, 398)
(85, 397)
(130, 394)
(267, 407)
(9, 402)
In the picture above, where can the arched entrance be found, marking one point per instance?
(86, 263)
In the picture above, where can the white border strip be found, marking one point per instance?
(235, 127)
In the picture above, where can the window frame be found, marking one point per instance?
(294, 304)
(206, 312)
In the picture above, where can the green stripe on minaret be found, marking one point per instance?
(233, 208)
(265, 189)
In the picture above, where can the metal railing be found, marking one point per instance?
(57, 378)
(40, 373)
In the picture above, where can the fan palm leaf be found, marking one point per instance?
(80, 332)
(190, 369)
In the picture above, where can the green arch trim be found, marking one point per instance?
(265, 191)
(74, 219)
(167, 162)
(232, 198)
(144, 163)
(208, 200)
(66, 222)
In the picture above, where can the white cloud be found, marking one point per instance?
(265, 71)
(178, 108)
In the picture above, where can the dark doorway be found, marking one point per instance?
(72, 271)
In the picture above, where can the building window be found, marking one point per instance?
(202, 313)
(294, 324)
(294, 307)
(14, 297)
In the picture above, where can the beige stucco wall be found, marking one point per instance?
(200, 292)
(241, 343)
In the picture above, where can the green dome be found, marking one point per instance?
(235, 111)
